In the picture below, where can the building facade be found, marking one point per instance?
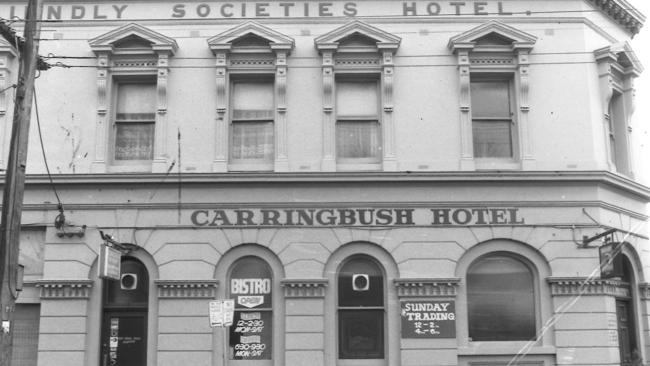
(372, 183)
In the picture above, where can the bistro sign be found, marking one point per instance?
(54, 11)
(330, 217)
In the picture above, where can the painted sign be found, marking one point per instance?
(113, 340)
(221, 312)
(110, 260)
(428, 319)
(78, 11)
(251, 292)
(611, 262)
(251, 336)
(358, 217)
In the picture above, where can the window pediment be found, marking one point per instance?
(250, 37)
(357, 36)
(622, 56)
(492, 36)
(133, 39)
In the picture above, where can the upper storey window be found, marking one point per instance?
(358, 131)
(251, 129)
(617, 68)
(493, 70)
(492, 117)
(358, 136)
(132, 69)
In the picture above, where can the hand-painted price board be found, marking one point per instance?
(251, 336)
(428, 319)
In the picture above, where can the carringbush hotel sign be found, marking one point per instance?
(329, 217)
(105, 10)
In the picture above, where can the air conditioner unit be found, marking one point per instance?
(129, 281)
(360, 282)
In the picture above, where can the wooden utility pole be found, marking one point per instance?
(14, 187)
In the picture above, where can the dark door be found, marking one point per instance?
(124, 339)
(124, 321)
(626, 339)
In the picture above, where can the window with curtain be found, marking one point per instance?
(618, 131)
(358, 137)
(252, 121)
(135, 120)
(500, 300)
(492, 122)
(361, 310)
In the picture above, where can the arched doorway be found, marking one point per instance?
(628, 342)
(124, 319)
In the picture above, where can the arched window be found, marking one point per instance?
(360, 310)
(124, 325)
(251, 285)
(500, 299)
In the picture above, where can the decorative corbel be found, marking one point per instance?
(329, 124)
(221, 127)
(387, 82)
(524, 82)
(102, 82)
(163, 71)
(221, 84)
(328, 82)
(281, 163)
(466, 144)
(281, 81)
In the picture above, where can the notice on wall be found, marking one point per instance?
(428, 319)
(251, 336)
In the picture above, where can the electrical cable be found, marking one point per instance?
(59, 221)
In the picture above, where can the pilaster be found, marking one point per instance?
(220, 162)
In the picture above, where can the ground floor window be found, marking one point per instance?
(361, 310)
(251, 335)
(26, 324)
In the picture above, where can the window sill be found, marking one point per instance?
(357, 166)
(250, 167)
(496, 164)
(132, 167)
(502, 348)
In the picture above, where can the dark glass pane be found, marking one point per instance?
(361, 334)
(490, 99)
(492, 139)
(251, 335)
(134, 294)
(251, 284)
(360, 296)
(501, 300)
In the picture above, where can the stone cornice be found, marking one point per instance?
(64, 289)
(623, 13)
(596, 176)
(187, 289)
(421, 287)
(572, 286)
(304, 288)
